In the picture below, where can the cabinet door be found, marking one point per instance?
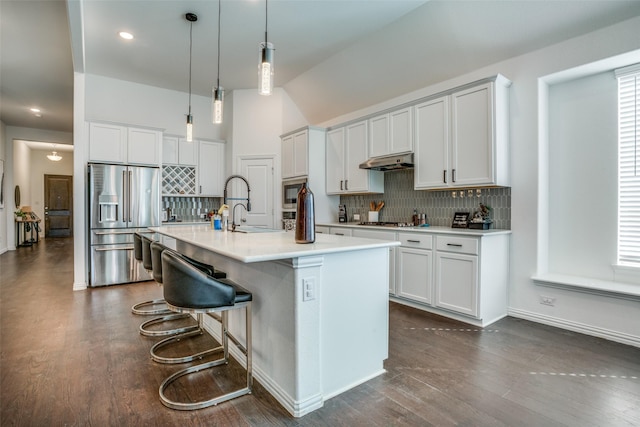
(211, 169)
(457, 282)
(400, 131)
(432, 144)
(107, 143)
(472, 136)
(143, 146)
(356, 179)
(187, 152)
(301, 154)
(287, 157)
(379, 136)
(414, 274)
(335, 161)
(170, 150)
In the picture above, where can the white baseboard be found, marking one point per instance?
(295, 408)
(79, 286)
(3, 250)
(633, 340)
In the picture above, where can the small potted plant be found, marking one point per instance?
(481, 218)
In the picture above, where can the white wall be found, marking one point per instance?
(583, 149)
(120, 101)
(609, 47)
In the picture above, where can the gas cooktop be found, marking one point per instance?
(388, 224)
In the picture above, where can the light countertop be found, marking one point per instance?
(258, 247)
(431, 229)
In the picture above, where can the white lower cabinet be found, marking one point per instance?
(414, 267)
(457, 283)
(458, 274)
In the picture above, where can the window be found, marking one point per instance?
(629, 165)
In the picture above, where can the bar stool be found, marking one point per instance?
(187, 289)
(139, 307)
(155, 253)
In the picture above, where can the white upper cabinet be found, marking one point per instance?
(211, 174)
(121, 144)
(295, 155)
(177, 151)
(461, 139)
(391, 133)
(347, 147)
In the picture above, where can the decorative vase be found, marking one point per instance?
(305, 216)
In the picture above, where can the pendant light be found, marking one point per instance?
(218, 91)
(191, 17)
(54, 156)
(265, 68)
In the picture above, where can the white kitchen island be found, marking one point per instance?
(320, 310)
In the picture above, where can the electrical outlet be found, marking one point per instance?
(308, 289)
(550, 301)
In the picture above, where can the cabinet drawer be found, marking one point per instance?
(463, 245)
(416, 240)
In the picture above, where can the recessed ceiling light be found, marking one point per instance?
(125, 35)
(35, 110)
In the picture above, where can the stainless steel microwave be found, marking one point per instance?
(290, 188)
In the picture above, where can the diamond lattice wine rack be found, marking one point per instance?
(179, 180)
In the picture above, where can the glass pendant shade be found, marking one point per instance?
(189, 128)
(218, 99)
(54, 157)
(265, 69)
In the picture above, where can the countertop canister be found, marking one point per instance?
(305, 216)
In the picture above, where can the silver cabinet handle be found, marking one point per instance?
(453, 175)
(444, 176)
(339, 234)
(341, 185)
(457, 245)
(346, 185)
(413, 241)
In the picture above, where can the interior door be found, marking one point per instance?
(259, 173)
(58, 209)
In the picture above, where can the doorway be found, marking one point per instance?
(58, 205)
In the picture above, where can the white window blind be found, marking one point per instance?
(629, 165)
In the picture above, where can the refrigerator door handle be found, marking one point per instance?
(129, 195)
(124, 196)
(120, 248)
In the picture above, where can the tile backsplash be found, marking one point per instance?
(190, 208)
(401, 199)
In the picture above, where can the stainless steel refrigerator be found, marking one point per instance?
(122, 200)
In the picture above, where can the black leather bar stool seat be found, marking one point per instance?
(189, 289)
(155, 254)
(153, 307)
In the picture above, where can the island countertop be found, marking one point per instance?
(266, 246)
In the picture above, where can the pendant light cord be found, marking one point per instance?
(266, 20)
(190, 53)
(219, 2)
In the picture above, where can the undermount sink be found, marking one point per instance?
(251, 229)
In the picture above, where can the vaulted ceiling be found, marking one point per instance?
(332, 56)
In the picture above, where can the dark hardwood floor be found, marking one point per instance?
(76, 359)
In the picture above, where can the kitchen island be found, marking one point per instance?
(320, 310)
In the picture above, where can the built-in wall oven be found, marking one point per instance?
(290, 188)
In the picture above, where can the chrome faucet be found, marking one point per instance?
(233, 215)
(248, 205)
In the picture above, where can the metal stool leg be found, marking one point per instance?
(138, 308)
(246, 350)
(145, 331)
(176, 339)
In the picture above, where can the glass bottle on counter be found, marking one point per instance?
(305, 216)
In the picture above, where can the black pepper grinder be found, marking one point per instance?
(305, 216)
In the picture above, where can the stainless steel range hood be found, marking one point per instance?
(389, 163)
